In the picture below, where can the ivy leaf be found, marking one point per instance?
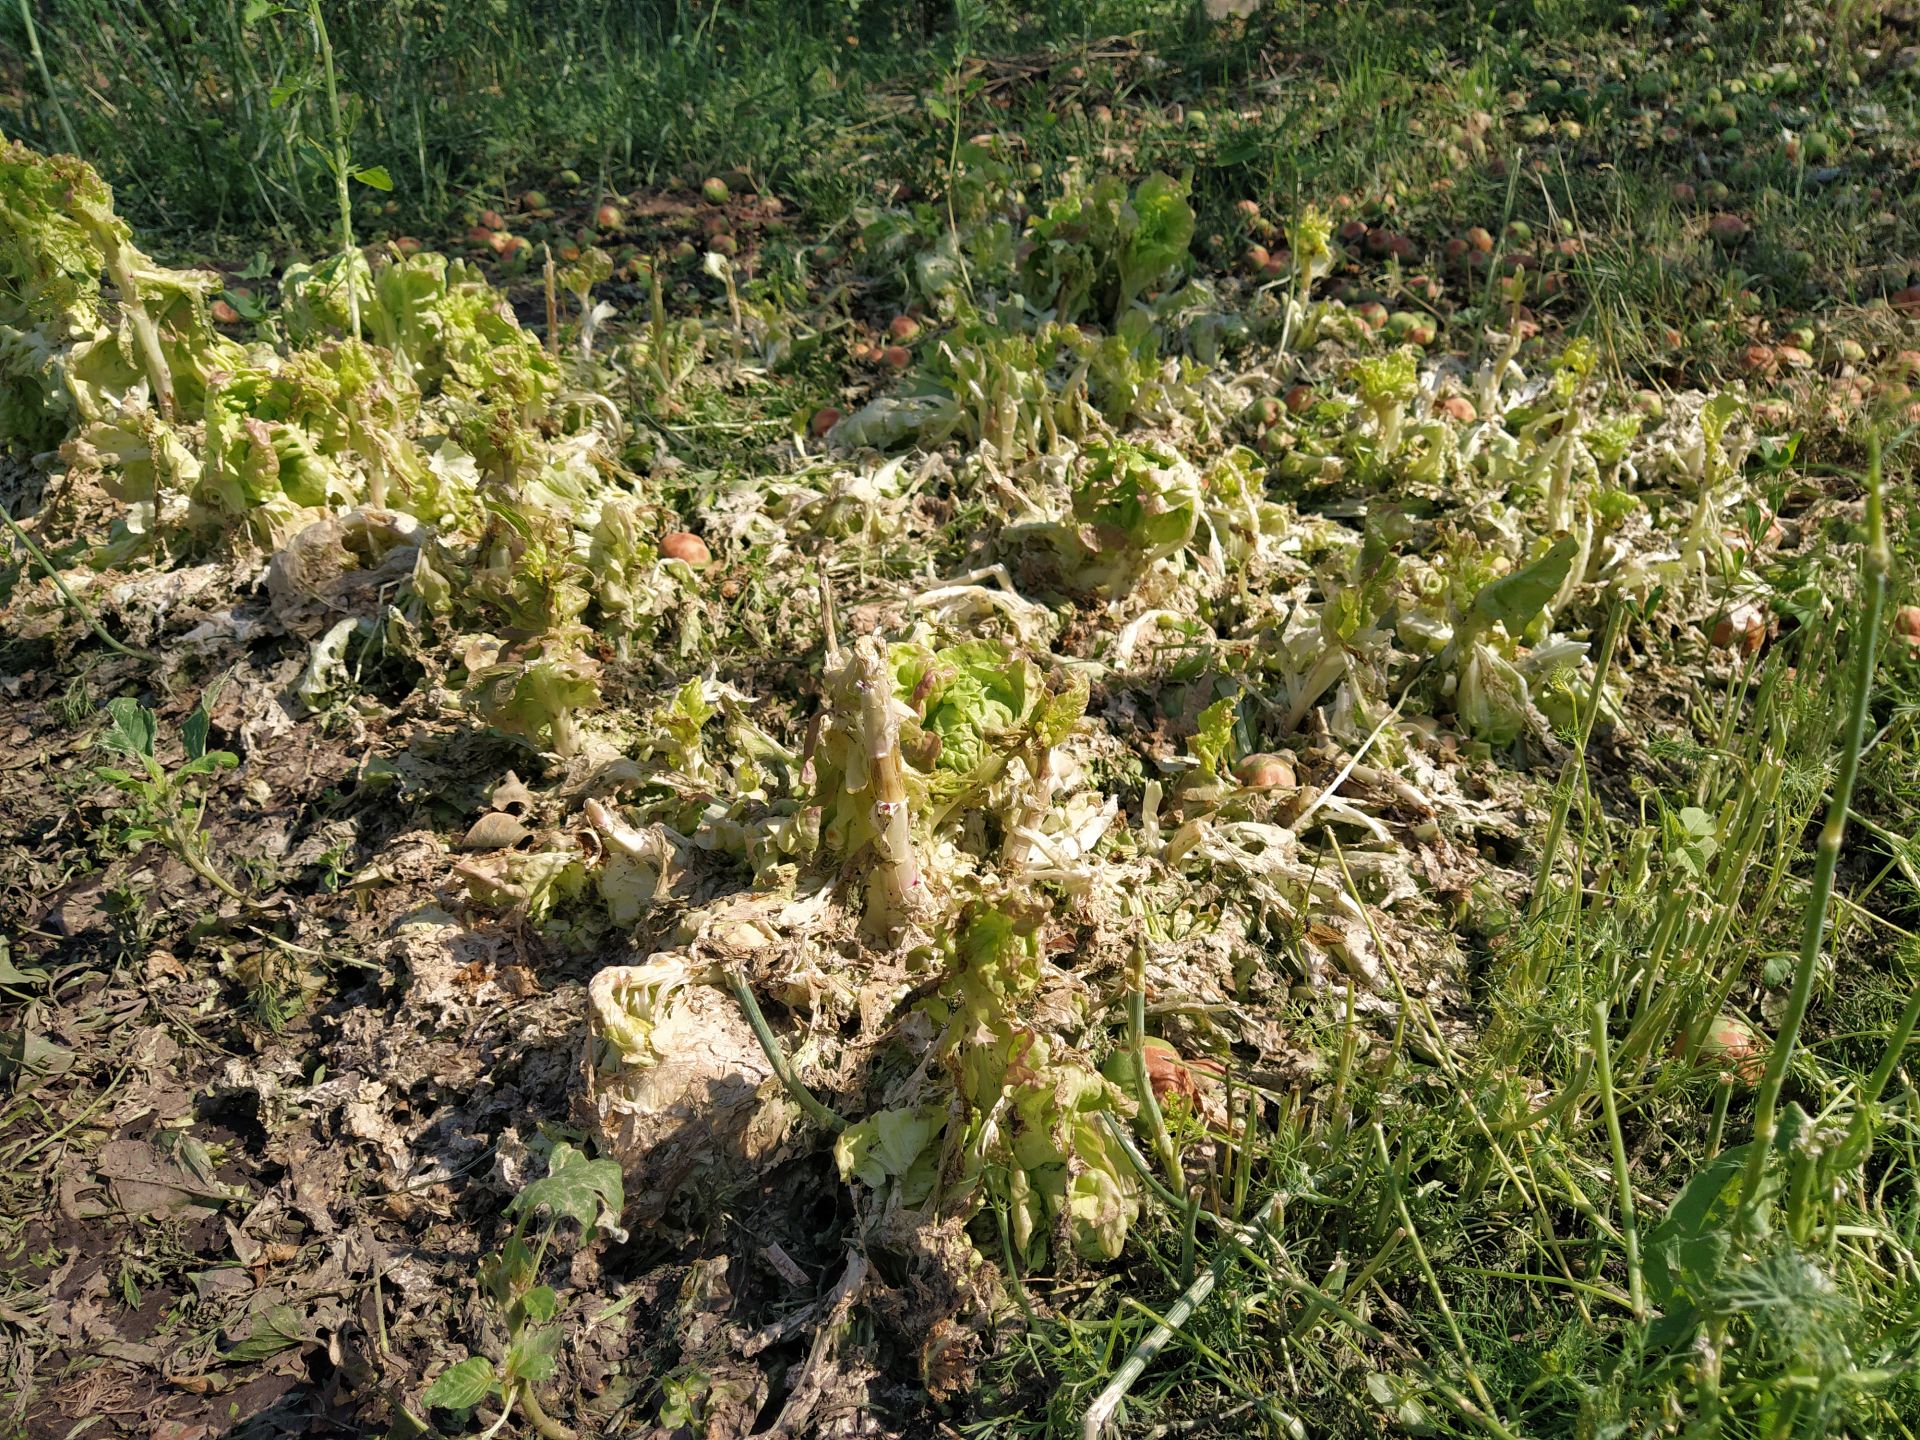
(462, 1386)
(574, 1188)
(130, 728)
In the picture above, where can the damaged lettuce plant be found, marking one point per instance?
(1030, 1146)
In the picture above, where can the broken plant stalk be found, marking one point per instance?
(146, 335)
(1102, 1413)
(657, 319)
(339, 163)
(895, 889)
(553, 304)
(1244, 1241)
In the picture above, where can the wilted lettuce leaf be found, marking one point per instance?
(50, 256)
(1156, 238)
(1142, 504)
(313, 298)
(677, 726)
(1049, 1135)
(1102, 1199)
(534, 881)
(965, 694)
(887, 420)
(1492, 700)
(35, 411)
(1057, 714)
(894, 1145)
(1098, 249)
(537, 694)
(1715, 416)
(1516, 599)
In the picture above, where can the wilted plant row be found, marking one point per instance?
(1179, 672)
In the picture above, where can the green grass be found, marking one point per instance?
(1430, 122)
(1553, 1220)
(1456, 1250)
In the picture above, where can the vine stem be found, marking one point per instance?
(46, 78)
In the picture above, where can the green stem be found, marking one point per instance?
(1622, 1173)
(544, 1424)
(1427, 1272)
(1163, 1144)
(46, 78)
(777, 1057)
(342, 169)
(1550, 851)
(60, 584)
(1874, 570)
(185, 843)
(1860, 1128)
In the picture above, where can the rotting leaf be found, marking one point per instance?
(28, 1057)
(11, 974)
(274, 1330)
